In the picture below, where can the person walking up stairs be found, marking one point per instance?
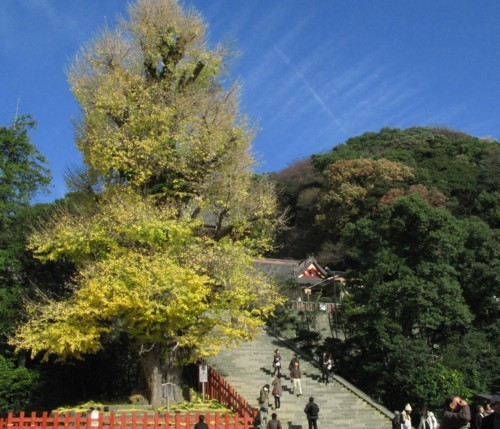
(246, 368)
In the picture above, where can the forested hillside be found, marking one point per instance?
(412, 215)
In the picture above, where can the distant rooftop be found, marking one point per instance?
(308, 271)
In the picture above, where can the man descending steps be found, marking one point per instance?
(295, 375)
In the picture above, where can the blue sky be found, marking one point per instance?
(313, 72)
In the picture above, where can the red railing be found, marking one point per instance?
(122, 421)
(220, 390)
(217, 388)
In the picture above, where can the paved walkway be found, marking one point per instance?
(248, 367)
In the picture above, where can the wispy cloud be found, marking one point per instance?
(309, 87)
(271, 28)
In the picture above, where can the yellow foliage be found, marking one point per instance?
(144, 270)
(167, 143)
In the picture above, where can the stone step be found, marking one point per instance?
(248, 367)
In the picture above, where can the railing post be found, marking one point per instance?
(21, 419)
(167, 420)
(45, 417)
(55, 420)
(9, 419)
(229, 396)
(134, 420)
(112, 420)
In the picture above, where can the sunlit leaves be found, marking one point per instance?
(163, 247)
(351, 183)
(122, 221)
(145, 271)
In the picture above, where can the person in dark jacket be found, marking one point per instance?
(396, 420)
(492, 421)
(277, 392)
(312, 412)
(201, 423)
(274, 423)
(456, 413)
(478, 417)
(263, 405)
(326, 367)
(294, 361)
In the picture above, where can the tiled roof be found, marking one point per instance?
(291, 269)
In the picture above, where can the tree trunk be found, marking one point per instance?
(151, 367)
(172, 373)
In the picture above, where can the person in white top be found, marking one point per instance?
(427, 419)
(406, 417)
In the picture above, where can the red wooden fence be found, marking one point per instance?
(124, 421)
(217, 388)
(223, 392)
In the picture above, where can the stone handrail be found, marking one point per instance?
(339, 379)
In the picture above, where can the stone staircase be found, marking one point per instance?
(248, 367)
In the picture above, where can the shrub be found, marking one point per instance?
(17, 386)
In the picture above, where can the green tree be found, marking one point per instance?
(408, 300)
(299, 189)
(22, 174)
(479, 263)
(22, 166)
(164, 247)
(18, 387)
(458, 165)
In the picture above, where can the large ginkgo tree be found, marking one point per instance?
(170, 216)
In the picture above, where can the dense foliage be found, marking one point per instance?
(23, 173)
(149, 258)
(167, 214)
(420, 242)
(18, 386)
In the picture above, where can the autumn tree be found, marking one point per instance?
(351, 183)
(460, 166)
(352, 189)
(164, 247)
(434, 197)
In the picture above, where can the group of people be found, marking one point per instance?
(276, 390)
(311, 410)
(456, 415)
(295, 376)
(403, 420)
(488, 416)
(327, 364)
